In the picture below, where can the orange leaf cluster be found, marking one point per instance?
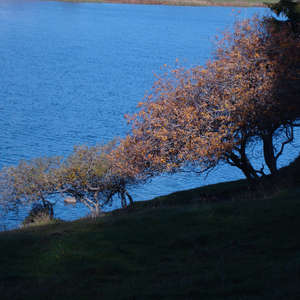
(209, 114)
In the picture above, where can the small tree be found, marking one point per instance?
(86, 174)
(29, 182)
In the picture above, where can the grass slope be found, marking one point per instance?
(236, 3)
(216, 242)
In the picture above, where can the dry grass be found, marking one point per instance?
(178, 248)
(235, 3)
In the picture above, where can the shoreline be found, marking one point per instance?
(221, 3)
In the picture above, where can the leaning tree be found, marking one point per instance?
(205, 115)
(87, 175)
(29, 182)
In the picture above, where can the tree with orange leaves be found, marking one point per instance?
(197, 117)
(205, 115)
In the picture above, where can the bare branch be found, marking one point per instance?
(290, 138)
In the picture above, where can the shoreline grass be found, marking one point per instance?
(186, 245)
(229, 250)
(231, 3)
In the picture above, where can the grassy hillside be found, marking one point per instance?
(237, 3)
(218, 242)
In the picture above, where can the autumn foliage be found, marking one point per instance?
(208, 114)
(193, 119)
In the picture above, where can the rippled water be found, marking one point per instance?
(69, 72)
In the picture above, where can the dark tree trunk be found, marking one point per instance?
(123, 199)
(130, 198)
(245, 166)
(48, 205)
(269, 154)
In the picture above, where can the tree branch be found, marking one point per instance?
(88, 203)
(261, 171)
(289, 140)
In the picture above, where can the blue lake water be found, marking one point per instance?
(69, 72)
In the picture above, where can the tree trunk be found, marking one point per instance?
(97, 209)
(130, 198)
(48, 205)
(245, 166)
(123, 199)
(269, 154)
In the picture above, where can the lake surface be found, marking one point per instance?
(69, 72)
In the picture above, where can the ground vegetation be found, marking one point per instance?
(215, 242)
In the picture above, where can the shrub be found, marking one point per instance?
(39, 214)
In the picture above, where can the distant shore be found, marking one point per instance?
(233, 3)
